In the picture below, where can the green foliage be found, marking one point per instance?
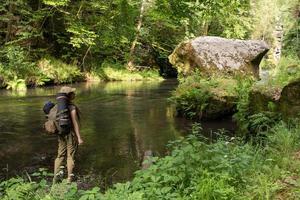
(56, 2)
(63, 190)
(18, 188)
(260, 122)
(81, 36)
(58, 71)
(287, 71)
(15, 63)
(195, 169)
(283, 139)
(194, 93)
(91, 194)
(117, 72)
(226, 169)
(16, 84)
(241, 117)
(249, 122)
(17, 70)
(291, 43)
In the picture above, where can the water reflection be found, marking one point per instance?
(120, 121)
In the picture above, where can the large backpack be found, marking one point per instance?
(63, 114)
(50, 126)
(58, 116)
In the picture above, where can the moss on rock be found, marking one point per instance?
(285, 101)
(205, 99)
(289, 102)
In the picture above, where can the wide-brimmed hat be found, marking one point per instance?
(67, 90)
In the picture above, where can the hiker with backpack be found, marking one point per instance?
(63, 120)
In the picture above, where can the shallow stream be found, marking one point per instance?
(119, 122)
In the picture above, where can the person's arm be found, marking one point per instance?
(76, 125)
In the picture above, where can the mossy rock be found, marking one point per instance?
(219, 106)
(204, 99)
(261, 97)
(285, 101)
(289, 103)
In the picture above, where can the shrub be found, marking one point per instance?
(16, 68)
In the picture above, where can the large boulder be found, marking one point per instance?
(219, 55)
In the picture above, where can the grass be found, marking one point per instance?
(118, 72)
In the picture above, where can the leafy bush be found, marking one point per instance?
(16, 68)
(16, 84)
(241, 117)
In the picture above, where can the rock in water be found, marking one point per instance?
(219, 55)
(147, 159)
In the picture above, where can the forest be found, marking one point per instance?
(45, 43)
(62, 41)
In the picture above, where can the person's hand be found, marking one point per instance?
(80, 141)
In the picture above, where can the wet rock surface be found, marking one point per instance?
(213, 55)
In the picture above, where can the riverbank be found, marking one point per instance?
(196, 169)
(51, 71)
(217, 96)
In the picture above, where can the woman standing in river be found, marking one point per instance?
(68, 141)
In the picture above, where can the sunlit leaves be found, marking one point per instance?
(81, 36)
(56, 2)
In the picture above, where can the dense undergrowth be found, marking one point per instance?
(197, 95)
(194, 94)
(197, 168)
(117, 72)
(251, 121)
(17, 72)
(287, 70)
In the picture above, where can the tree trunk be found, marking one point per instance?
(130, 64)
(9, 23)
(278, 36)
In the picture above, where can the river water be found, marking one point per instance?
(119, 122)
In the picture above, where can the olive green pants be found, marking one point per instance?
(67, 147)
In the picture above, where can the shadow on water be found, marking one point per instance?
(120, 121)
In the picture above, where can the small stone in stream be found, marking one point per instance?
(147, 159)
